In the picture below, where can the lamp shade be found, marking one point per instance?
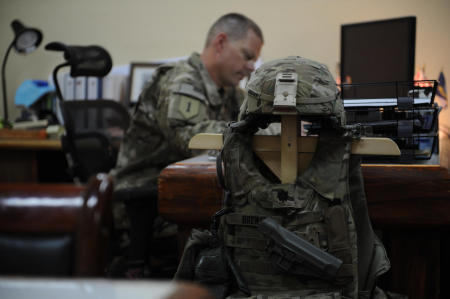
(26, 40)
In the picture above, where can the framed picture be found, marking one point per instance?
(140, 74)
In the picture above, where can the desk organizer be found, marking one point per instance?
(402, 111)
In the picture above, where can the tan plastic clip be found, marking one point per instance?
(285, 93)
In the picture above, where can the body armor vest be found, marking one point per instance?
(318, 207)
(308, 239)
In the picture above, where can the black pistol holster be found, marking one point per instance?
(292, 254)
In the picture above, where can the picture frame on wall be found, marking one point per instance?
(140, 74)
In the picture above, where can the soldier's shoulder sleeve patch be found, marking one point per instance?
(188, 107)
(187, 102)
(185, 108)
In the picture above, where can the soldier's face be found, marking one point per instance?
(238, 58)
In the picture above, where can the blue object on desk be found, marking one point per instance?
(30, 91)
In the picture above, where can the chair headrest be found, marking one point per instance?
(84, 60)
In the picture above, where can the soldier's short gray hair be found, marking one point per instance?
(235, 26)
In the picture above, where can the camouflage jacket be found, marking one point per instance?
(179, 101)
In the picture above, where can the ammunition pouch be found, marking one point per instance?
(204, 262)
(211, 270)
(198, 240)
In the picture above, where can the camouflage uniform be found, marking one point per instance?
(179, 101)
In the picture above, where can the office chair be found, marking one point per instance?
(55, 229)
(94, 128)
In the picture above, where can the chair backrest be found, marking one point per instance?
(55, 229)
(108, 116)
(94, 130)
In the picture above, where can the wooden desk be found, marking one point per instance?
(32, 160)
(34, 144)
(409, 206)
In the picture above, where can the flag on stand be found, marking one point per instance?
(441, 92)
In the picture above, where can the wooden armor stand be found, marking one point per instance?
(288, 155)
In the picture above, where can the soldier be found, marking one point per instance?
(181, 100)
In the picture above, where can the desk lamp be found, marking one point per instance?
(25, 41)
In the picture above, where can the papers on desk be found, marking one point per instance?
(383, 102)
(37, 124)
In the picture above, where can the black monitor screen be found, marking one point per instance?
(379, 51)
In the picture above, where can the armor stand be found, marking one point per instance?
(268, 148)
(289, 149)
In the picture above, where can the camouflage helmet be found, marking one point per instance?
(293, 85)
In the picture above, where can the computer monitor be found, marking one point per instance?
(378, 51)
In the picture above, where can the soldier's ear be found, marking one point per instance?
(219, 42)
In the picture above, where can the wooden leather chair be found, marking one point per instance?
(55, 229)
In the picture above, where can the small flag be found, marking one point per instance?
(420, 76)
(442, 90)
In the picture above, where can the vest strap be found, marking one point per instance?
(270, 97)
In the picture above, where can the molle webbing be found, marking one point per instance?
(247, 219)
(264, 267)
(307, 218)
(254, 220)
(246, 235)
(245, 242)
